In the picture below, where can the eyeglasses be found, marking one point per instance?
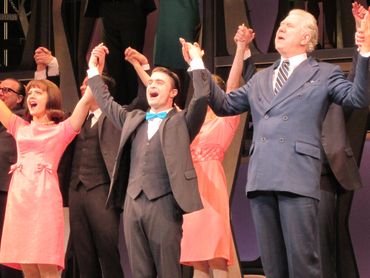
(6, 90)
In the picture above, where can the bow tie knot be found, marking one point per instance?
(150, 115)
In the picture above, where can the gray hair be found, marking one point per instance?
(309, 25)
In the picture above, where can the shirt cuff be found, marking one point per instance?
(196, 63)
(53, 67)
(92, 72)
(40, 74)
(146, 67)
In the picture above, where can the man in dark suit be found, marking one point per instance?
(285, 163)
(94, 228)
(12, 92)
(154, 178)
(124, 23)
(343, 137)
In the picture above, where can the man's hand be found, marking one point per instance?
(191, 51)
(97, 57)
(42, 58)
(244, 36)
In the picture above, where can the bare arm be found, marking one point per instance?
(5, 114)
(242, 38)
(81, 110)
(137, 60)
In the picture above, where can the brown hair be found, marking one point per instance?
(54, 102)
(219, 81)
(176, 80)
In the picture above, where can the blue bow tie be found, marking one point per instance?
(150, 115)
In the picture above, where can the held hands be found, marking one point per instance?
(243, 36)
(362, 36)
(97, 57)
(358, 12)
(191, 51)
(42, 57)
(135, 58)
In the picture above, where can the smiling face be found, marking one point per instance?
(160, 91)
(297, 34)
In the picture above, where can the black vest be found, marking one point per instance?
(88, 165)
(148, 171)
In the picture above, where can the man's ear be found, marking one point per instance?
(306, 38)
(20, 98)
(173, 93)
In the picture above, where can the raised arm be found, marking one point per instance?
(114, 111)
(242, 39)
(139, 62)
(81, 110)
(5, 114)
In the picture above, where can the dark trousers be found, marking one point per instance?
(124, 25)
(153, 231)
(287, 234)
(94, 233)
(6, 272)
(336, 250)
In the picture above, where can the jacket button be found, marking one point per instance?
(285, 118)
(281, 140)
(263, 139)
(267, 117)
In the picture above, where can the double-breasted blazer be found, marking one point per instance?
(286, 150)
(176, 133)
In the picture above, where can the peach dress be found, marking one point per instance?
(207, 233)
(34, 223)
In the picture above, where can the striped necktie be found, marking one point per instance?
(282, 76)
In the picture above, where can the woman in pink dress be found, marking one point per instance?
(33, 233)
(207, 242)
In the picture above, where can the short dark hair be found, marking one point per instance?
(172, 75)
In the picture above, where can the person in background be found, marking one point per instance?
(94, 228)
(343, 137)
(33, 231)
(47, 66)
(207, 242)
(124, 24)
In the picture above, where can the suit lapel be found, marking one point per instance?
(267, 88)
(163, 123)
(300, 76)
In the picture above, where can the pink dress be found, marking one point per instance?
(33, 230)
(207, 233)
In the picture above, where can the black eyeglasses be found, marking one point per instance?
(6, 90)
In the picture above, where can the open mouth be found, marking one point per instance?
(153, 94)
(32, 104)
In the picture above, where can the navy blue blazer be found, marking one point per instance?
(286, 150)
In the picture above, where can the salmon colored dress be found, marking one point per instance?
(207, 233)
(33, 230)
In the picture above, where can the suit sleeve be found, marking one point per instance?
(197, 108)
(114, 111)
(346, 93)
(233, 103)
